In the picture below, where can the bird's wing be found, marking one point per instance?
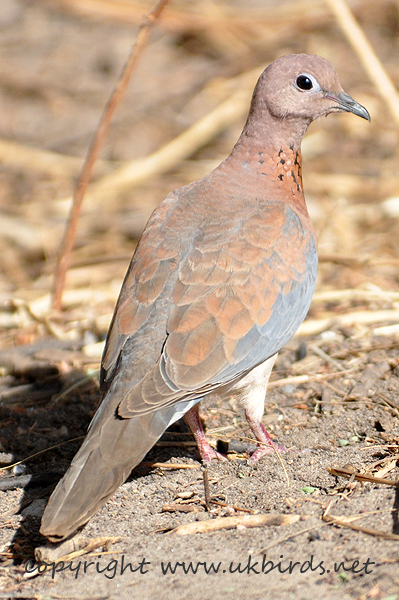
(187, 322)
(139, 320)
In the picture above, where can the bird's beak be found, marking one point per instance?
(348, 104)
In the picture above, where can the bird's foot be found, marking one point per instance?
(262, 449)
(207, 453)
(265, 443)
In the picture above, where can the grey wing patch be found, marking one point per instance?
(289, 311)
(289, 274)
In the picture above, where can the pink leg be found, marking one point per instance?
(266, 445)
(206, 452)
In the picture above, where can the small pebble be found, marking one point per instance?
(185, 495)
(19, 469)
(288, 389)
(328, 335)
(6, 458)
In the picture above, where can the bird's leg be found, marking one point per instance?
(265, 443)
(252, 389)
(206, 452)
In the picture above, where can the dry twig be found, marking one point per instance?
(361, 317)
(95, 146)
(138, 171)
(24, 460)
(232, 522)
(349, 473)
(343, 522)
(71, 549)
(28, 158)
(206, 488)
(355, 294)
(173, 466)
(289, 536)
(194, 17)
(296, 380)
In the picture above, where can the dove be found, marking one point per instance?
(222, 277)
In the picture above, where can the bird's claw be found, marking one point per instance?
(262, 450)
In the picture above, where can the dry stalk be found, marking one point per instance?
(289, 536)
(51, 163)
(348, 472)
(138, 171)
(363, 317)
(354, 294)
(71, 549)
(366, 54)
(319, 352)
(297, 379)
(343, 522)
(232, 522)
(207, 491)
(173, 466)
(95, 146)
(388, 468)
(24, 460)
(346, 185)
(358, 263)
(194, 16)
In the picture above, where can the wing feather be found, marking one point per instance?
(201, 310)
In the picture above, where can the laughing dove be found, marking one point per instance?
(221, 279)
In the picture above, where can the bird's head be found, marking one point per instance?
(304, 86)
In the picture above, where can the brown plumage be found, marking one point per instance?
(221, 279)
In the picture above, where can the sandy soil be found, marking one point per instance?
(57, 67)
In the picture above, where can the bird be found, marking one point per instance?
(221, 279)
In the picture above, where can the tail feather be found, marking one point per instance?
(112, 448)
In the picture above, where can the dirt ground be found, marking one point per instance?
(333, 398)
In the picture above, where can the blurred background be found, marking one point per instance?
(59, 62)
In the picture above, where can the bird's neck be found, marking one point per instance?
(266, 162)
(272, 132)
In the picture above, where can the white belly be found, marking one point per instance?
(250, 391)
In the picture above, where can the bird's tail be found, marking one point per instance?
(112, 448)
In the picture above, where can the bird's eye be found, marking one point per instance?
(304, 82)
